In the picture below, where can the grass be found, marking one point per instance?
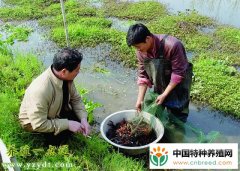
(228, 39)
(216, 83)
(134, 11)
(16, 33)
(184, 26)
(80, 35)
(57, 21)
(71, 6)
(121, 52)
(20, 13)
(34, 9)
(231, 59)
(29, 2)
(17, 73)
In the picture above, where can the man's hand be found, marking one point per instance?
(160, 99)
(138, 106)
(85, 127)
(74, 126)
(141, 93)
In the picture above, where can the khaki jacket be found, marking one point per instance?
(42, 103)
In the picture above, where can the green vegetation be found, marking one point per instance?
(85, 28)
(228, 38)
(121, 52)
(80, 35)
(15, 33)
(99, 69)
(29, 2)
(34, 9)
(15, 74)
(57, 21)
(89, 104)
(231, 59)
(71, 6)
(134, 11)
(20, 13)
(85, 32)
(81, 154)
(185, 27)
(216, 84)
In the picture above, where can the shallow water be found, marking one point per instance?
(223, 11)
(120, 24)
(1, 4)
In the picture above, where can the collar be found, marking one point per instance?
(56, 80)
(153, 53)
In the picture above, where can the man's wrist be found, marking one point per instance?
(84, 120)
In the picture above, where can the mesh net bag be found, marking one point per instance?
(177, 131)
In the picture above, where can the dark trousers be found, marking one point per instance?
(62, 137)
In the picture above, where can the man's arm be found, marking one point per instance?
(143, 83)
(37, 112)
(141, 93)
(79, 109)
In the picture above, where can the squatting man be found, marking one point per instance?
(52, 105)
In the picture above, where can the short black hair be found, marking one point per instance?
(67, 58)
(137, 33)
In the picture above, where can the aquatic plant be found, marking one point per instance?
(90, 106)
(15, 33)
(81, 35)
(217, 84)
(228, 39)
(185, 27)
(20, 13)
(34, 9)
(231, 59)
(57, 21)
(135, 11)
(99, 69)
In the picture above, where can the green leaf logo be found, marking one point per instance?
(158, 156)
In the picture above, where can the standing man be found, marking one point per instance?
(162, 63)
(51, 104)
